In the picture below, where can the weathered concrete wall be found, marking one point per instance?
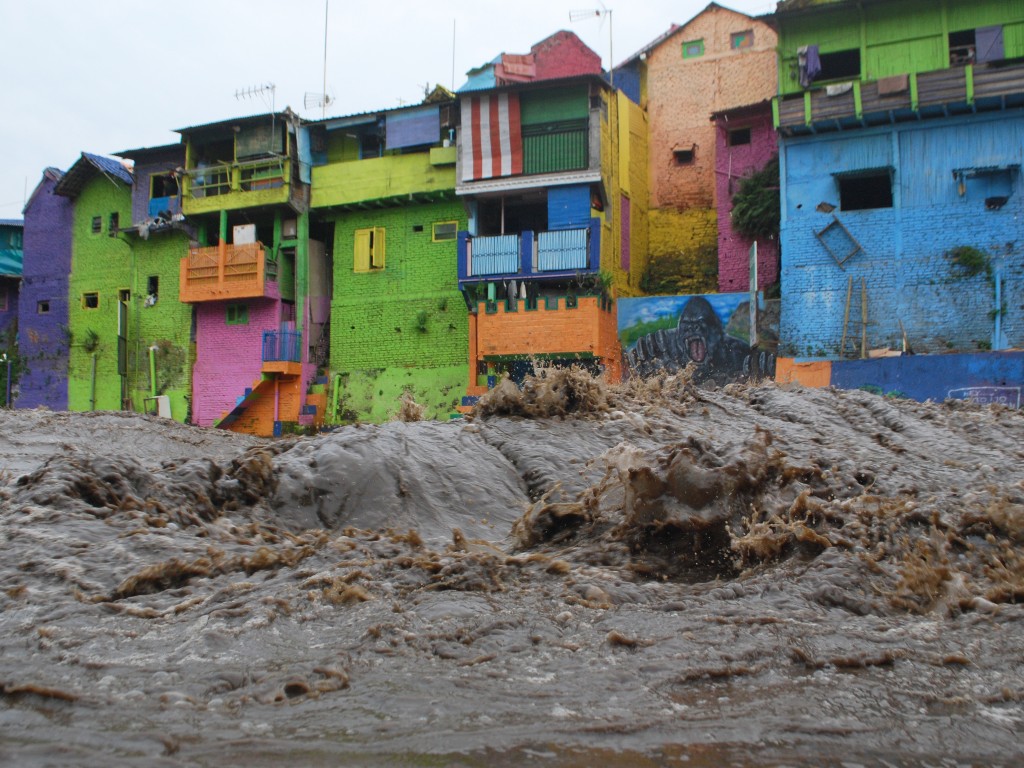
(990, 377)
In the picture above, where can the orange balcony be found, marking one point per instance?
(222, 272)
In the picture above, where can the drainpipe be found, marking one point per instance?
(92, 385)
(152, 370)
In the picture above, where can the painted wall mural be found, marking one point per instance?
(666, 333)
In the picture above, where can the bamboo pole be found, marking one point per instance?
(863, 318)
(846, 316)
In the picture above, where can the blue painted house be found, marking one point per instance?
(901, 142)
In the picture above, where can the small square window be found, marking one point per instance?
(124, 295)
(97, 224)
(739, 137)
(445, 230)
(163, 185)
(683, 156)
(368, 252)
(693, 49)
(744, 39)
(90, 301)
(864, 191)
(237, 314)
(42, 307)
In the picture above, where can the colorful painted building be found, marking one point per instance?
(11, 257)
(718, 60)
(158, 344)
(99, 286)
(746, 147)
(255, 274)
(43, 326)
(552, 170)
(384, 191)
(902, 139)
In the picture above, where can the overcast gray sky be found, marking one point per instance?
(108, 75)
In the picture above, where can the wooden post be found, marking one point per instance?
(863, 318)
(846, 316)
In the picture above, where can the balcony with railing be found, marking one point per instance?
(528, 255)
(227, 272)
(956, 90)
(241, 184)
(282, 352)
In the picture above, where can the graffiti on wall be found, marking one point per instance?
(667, 333)
(1008, 396)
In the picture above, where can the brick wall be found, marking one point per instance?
(100, 264)
(42, 338)
(230, 358)
(409, 315)
(563, 331)
(908, 275)
(733, 163)
(683, 93)
(690, 238)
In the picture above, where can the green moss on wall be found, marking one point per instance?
(374, 395)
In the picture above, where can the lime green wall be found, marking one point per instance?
(106, 266)
(375, 395)
(894, 37)
(378, 178)
(99, 264)
(408, 319)
(166, 324)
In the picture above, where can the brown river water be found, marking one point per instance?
(576, 575)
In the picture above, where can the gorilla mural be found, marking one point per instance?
(700, 338)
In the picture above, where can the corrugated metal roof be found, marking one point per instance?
(82, 171)
(49, 174)
(12, 222)
(132, 154)
(229, 122)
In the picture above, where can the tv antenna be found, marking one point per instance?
(318, 101)
(266, 93)
(599, 13)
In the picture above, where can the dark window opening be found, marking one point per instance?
(859, 193)
(961, 47)
(840, 65)
(90, 300)
(370, 145)
(513, 216)
(124, 295)
(115, 220)
(164, 185)
(683, 156)
(152, 286)
(97, 224)
(42, 308)
(739, 137)
(417, 227)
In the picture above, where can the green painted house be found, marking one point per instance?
(100, 284)
(384, 187)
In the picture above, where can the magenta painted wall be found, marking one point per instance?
(229, 357)
(732, 163)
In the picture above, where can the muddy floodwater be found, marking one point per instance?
(574, 576)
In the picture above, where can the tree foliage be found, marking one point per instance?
(755, 212)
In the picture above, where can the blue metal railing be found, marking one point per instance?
(282, 346)
(498, 255)
(562, 250)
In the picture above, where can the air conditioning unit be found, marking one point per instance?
(289, 228)
(244, 234)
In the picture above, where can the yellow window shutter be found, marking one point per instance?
(377, 249)
(361, 261)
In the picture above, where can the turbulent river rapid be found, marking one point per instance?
(576, 575)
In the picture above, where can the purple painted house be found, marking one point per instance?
(745, 140)
(43, 305)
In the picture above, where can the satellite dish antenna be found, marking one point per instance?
(599, 13)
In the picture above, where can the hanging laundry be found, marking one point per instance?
(808, 63)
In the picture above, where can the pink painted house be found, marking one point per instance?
(745, 140)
